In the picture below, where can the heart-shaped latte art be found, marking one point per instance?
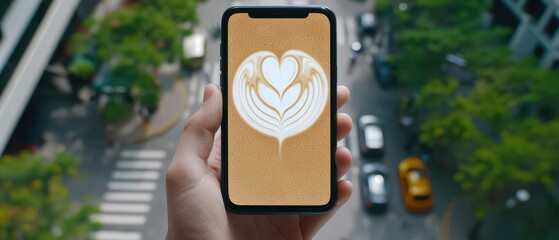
(280, 97)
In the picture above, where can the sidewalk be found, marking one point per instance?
(173, 104)
(458, 219)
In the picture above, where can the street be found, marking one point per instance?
(131, 194)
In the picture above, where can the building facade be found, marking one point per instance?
(535, 28)
(31, 31)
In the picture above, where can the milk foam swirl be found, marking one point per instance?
(280, 97)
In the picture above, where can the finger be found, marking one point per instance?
(195, 144)
(343, 161)
(343, 125)
(312, 223)
(343, 95)
(214, 160)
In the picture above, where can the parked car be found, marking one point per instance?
(416, 186)
(194, 51)
(366, 24)
(383, 71)
(374, 187)
(371, 136)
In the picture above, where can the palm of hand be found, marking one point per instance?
(194, 201)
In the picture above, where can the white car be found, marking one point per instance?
(371, 136)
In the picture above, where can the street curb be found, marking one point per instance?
(447, 217)
(181, 87)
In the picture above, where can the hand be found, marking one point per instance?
(194, 203)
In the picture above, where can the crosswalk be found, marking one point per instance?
(129, 193)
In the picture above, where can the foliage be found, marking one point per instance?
(500, 132)
(542, 222)
(138, 38)
(147, 91)
(82, 67)
(383, 6)
(117, 108)
(35, 203)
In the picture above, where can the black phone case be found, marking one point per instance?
(278, 12)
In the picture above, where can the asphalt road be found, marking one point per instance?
(351, 222)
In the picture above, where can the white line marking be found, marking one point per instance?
(136, 175)
(118, 219)
(215, 73)
(300, 2)
(146, 164)
(350, 29)
(341, 31)
(124, 207)
(128, 196)
(342, 143)
(200, 92)
(353, 141)
(143, 154)
(132, 186)
(354, 170)
(115, 235)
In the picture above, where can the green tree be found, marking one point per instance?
(137, 39)
(501, 133)
(35, 203)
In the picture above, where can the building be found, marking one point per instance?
(535, 25)
(30, 34)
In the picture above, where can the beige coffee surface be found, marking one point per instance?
(258, 174)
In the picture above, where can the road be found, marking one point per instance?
(132, 195)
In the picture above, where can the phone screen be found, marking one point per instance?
(279, 110)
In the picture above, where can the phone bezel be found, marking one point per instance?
(293, 11)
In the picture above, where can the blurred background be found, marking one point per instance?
(455, 104)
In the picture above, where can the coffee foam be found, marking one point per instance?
(257, 173)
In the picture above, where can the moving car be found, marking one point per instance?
(366, 24)
(371, 136)
(374, 187)
(416, 186)
(194, 50)
(382, 70)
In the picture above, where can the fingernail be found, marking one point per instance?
(207, 93)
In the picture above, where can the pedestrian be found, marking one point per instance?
(195, 205)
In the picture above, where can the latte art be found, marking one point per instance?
(280, 97)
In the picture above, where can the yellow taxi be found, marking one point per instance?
(416, 186)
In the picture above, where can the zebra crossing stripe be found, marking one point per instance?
(128, 197)
(119, 219)
(124, 208)
(132, 186)
(115, 235)
(136, 175)
(143, 154)
(142, 164)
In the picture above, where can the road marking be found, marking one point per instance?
(353, 142)
(143, 154)
(350, 29)
(215, 73)
(115, 235)
(124, 207)
(118, 219)
(132, 186)
(192, 93)
(146, 164)
(299, 2)
(341, 32)
(354, 171)
(200, 92)
(128, 196)
(136, 175)
(447, 218)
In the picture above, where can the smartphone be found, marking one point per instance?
(278, 78)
